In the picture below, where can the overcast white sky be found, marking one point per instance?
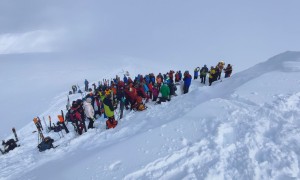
(241, 32)
(37, 37)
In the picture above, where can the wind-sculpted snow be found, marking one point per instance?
(244, 144)
(245, 127)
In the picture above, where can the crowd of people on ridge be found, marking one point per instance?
(127, 93)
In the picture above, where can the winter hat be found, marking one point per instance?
(74, 104)
(89, 100)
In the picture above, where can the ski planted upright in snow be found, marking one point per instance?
(39, 128)
(15, 134)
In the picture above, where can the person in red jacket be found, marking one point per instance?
(131, 94)
(141, 92)
(76, 118)
(150, 86)
(171, 76)
(177, 78)
(159, 80)
(155, 92)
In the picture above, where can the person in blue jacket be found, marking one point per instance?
(125, 79)
(187, 82)
(196, 72)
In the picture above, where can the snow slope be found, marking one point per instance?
(245, 127)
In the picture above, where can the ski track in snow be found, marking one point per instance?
(211, 133)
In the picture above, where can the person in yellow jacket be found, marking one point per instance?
(212, 74)
(108, 107)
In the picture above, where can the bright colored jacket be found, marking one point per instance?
(196, 73)
(125, 79)
(165, 91)
(150, 87)
(146, 89)
(212, 72)
(155, 92)
(187, 80)
(108, 107)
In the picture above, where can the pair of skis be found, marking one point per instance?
(61, 119)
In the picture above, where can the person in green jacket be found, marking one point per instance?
(165, 93)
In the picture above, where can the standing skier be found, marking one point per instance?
(74, 88)
(89, 112)
(228, 71)
(121, 98)
(109, 111)
(203, 73)
(212, 75)
(86, 85)
(187, 81)
(220, 67)
(196, 72)
(75, 117)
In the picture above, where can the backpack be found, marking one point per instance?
(47, 143)
(141, 107)
(111, 123)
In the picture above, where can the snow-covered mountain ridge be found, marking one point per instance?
(245, 127)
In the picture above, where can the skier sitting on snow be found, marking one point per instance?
(9, 145)
(139, 105)
(165, 93)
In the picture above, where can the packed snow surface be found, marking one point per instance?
(245, 127)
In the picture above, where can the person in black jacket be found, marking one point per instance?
(203, 73)
(121, 98)
(228, 71)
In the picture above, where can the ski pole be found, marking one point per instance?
(46, 124)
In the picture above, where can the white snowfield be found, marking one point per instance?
(245, 127)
